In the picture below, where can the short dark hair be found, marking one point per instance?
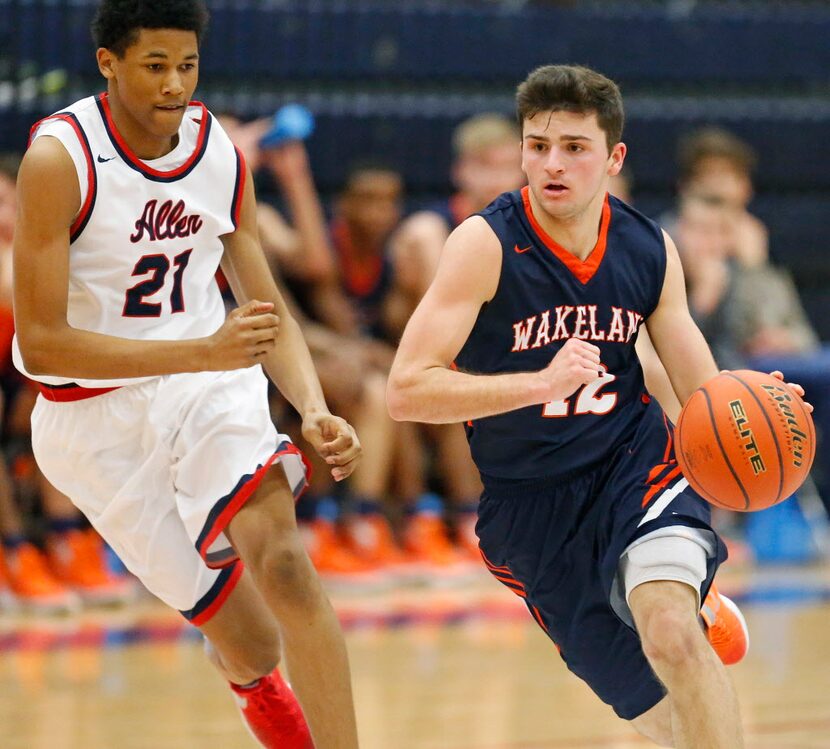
(117, 22)
(573, 88)
(713, 142)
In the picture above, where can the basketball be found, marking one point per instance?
(745, 441)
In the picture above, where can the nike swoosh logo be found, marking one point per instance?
(102, 160)
(516, 248)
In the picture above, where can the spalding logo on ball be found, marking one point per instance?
(745, 441)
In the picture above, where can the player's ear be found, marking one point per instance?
(105, 58)
(616, 159)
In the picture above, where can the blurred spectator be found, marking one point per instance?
(748, 309)
(336, 284)
(486, 163)
(74, 566)
(368, 210)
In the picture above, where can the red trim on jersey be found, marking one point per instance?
(244, 493)
(91, 180)
(238, 188)
(584, 270)
(206, 615)
(72, 392)
(138, 163)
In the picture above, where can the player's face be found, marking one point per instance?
(565, 157)
(372, 203)
(152, 84)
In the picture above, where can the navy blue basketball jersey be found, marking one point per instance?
(544, 297)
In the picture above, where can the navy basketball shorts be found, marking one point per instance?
(557, 544)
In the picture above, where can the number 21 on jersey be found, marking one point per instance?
(587, 400)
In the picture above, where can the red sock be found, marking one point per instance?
(273, 714)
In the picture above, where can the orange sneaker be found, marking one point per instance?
(33, 584)
(725, 627)
(370, 537)
(333, 560)
(426, 538)
(78, 559)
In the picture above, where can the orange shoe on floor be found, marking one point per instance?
(34, 585)
(370, 537)
(427, 539)
(725, 627)
(333, 560)
(78, 559)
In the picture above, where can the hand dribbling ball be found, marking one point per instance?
(745, 441)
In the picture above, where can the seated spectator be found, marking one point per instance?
(486, 163)
(70, 566)
(749, 309)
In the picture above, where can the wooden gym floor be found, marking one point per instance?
(461, 668)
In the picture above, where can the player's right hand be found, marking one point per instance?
(246, 337)
(576, 364)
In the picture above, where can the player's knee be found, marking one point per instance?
(256, 660)
(283, 567)
(671, 636)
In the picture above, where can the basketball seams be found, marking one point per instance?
(686, 468)
(773, 433)
(720, 445)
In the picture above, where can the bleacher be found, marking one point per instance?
(391, 80)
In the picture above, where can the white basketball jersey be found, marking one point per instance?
(145, 245)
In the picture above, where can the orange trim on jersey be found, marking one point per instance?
(491, 565)
(361, 273)
(584, 270)
(204, 122)
(91, 178)
(206, 615)
(72, 392)
(538, 617)
(661, 484)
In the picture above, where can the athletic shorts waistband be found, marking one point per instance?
(71, 392)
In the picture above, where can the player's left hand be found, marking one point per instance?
(335, 441)
(795, 386)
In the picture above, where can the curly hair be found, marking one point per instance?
(117, 22)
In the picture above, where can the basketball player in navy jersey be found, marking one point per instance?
(527, 335)
(153, 414)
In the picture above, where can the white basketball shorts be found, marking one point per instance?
(161, 467)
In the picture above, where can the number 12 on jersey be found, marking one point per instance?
(588, 399)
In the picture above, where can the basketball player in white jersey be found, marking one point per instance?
(153, 414)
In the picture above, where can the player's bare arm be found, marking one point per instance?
(423, 386)
(288, 363)
(49, 199)
(677, 339)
